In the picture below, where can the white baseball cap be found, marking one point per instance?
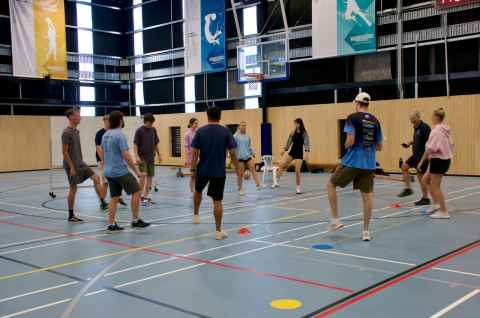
(363, 98)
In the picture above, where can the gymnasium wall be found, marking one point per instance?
(322, 123)
(24, 143)
(164, 122)
(88, 128)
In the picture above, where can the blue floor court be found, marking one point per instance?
(413, 267)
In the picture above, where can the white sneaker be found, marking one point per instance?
(241, 192)
(275, 185)
(366, 236)
(261, 187)
(336, 226)
(196, 219)
(298, 190)
(440, 215)
(220, 235)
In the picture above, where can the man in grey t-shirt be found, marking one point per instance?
(76, 169)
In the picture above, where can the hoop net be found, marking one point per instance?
(253, 79)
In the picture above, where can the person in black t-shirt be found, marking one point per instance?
(420, 138)
(99, 153)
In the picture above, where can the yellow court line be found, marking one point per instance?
(136, 249)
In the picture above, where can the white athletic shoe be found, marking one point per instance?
(196, 219)
(261, 187)
(220, 235)
(335, 226)
(241, 192)
(440, 215)
(298, 190)
(366, 236)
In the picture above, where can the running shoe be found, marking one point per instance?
(366, 236)
(114, 228)
(103, 205)
(74, 219)
(405, 193)
(298, 190)
(220, 235)
(140, 224)
(241, 192)
(261, 187)
(423, 201)
(439, 215)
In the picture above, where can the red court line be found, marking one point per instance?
(377, 289)
(188, 258)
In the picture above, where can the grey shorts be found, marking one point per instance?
(84, 173)
(128, 183)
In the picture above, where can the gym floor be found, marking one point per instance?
(413, 267)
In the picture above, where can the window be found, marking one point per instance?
(175, 142)
(87, 111)
(85, 46)
(138, 51)
(250, 27)
(190, 94)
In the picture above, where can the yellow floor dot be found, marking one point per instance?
(286, 304)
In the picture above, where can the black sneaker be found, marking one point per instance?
(114, 228)
(121, 202)
(103, 205)
(405, 193)
(74, 219)
(423, 201)
(140, 224)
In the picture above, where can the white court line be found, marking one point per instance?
(38, 291)
(217, 260)
(19, 313)
(186, 268)
(456, 304)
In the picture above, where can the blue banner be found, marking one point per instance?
(356, 27)
(212, 21)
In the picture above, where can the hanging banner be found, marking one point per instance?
(38, 38)
(205, 36)
(343, 27)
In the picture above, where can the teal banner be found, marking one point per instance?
(356, 27)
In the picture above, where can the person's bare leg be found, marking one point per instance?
(253, 172)
(241, 172)
(218, 213)
(148, 186)
(426, 181)
(406, 176)
(284, 164)
(112, 210)
(142, 182)
(332, 198)
(436, 183)
(422, 185)
(298, 172)
(367, 209)
(136, 205)
(99, 187)
(197, 200)
(72, 192)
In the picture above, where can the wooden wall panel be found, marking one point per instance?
(463, 115)
(24, 143)
(88, 128)
(164, 122)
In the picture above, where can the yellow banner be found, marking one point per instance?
(50, 38)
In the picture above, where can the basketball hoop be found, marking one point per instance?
(253, 79)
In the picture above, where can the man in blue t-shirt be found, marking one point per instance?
(210, 144)
(364, 139)
(116, 158)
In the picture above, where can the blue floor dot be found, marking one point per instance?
(324, 246)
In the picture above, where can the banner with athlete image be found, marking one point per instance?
(343, 27)
(205, 36)
(38, 38)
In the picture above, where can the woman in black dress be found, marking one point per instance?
(298, 142)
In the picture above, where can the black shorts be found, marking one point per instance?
(362, 179)
(128, 183)
(244, 161)
(296, 155)
(216, 186)
(439, 166)
(413, 162)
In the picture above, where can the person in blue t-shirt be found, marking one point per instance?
(210, 144)
(117, 159)
(364, 139)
